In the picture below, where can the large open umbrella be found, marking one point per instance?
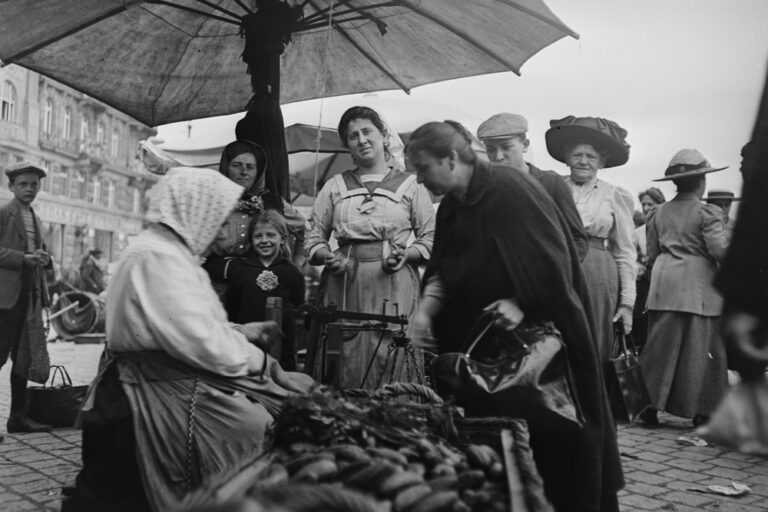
(167, 60)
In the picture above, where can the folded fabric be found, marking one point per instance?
(740, 422)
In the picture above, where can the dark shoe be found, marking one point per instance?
(22, 423)
(649, 417)
(2, 438)
(700, 419)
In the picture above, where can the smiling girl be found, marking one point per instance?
(267, 273)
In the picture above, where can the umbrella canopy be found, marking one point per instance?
(167, 60)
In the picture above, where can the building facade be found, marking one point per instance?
(94, 195)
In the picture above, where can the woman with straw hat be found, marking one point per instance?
(684, 358)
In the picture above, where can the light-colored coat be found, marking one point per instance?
(685, 240)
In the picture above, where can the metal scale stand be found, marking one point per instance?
(328, 331)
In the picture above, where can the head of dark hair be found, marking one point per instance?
(689, 184)
(359, 112)
(654, 193)
(440, 139)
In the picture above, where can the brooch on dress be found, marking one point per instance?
(267, 280)
(251, 205)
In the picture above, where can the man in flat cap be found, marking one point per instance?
(506, 142)
(23, 294)
(723, 199)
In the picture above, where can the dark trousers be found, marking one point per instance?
(11, 325)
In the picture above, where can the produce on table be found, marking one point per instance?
(390, 451)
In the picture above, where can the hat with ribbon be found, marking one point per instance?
(23, 167)
(688, 163)
(606, 135)
(502, 125)
(720, 194)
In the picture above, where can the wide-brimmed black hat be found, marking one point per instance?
(688, 163)
(606, 135)
(23, 167)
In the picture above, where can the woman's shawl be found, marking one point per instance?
(540, 261)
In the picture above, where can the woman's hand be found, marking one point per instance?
(506, 313)
(421, 331)
(624, 315)
(336, 263)
(262, 334)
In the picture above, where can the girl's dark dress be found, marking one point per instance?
(251, 283)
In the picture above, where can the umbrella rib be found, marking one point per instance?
(463, 35)
(245, 7)
(321, 24)
(58, 37)
(368, 56)
(540, 17)
(196, 11)
(324, 12)
(220, 8)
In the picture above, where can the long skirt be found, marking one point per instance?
(602, 278)
(684, 363)
(155, 428)
(364, 288)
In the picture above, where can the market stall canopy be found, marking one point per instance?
(163, 61)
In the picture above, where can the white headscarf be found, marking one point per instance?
(194, 203)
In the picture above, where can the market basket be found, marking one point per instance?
(385, 449)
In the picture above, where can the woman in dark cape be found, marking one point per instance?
(499, 238)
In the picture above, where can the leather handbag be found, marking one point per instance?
(629, 397)
(522, 374)
(56, 404)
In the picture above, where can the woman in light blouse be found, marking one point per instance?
(373, 210)
(586, 145)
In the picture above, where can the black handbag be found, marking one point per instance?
(631, 396)
(56, 405)
(522, 374)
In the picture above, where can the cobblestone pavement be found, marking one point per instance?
(660, 472)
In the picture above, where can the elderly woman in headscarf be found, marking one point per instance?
(374, 210)
(586, 145)
(181, 393)
(684, 361)
(248, 164)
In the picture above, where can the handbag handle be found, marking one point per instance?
(487, 316)
(61, 371)
(618, 332)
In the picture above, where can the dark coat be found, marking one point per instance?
(743, 277)
(13, 245)
(508, 240)
(558, 190)
(91, 276)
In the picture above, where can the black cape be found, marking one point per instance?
(509, 240)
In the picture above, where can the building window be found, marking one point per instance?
(100, 134)
(96, 190)
(115, 145)
(66, 129)
(79, 185)
(48, 117)
(59, 181)
(85, 129)
(136, 200)
(111, 194)
(8, 102)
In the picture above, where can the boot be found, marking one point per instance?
(21, 423)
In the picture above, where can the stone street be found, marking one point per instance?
(660, 471)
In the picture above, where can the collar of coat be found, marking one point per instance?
(392, 186)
